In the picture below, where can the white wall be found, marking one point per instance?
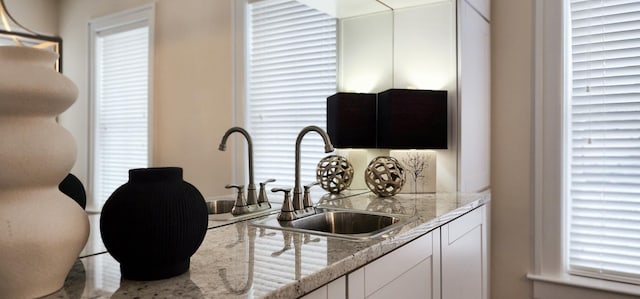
(512, 96)
(38, 15)
(512, 33)
(192, 81)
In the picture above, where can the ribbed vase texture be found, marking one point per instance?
(42, 231)
(154, 223)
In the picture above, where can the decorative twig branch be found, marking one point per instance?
(415, 164)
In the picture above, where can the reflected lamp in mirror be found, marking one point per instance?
(12, 33)
(412, 119)
(351, 120)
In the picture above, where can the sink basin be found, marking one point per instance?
(220, 206)
(220, 210)
(356, 225)
(342, 222)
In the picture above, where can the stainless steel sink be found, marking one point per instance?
(220, 210)
(356, 225)
(220, 206)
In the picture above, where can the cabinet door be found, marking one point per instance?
(355, 284)
(464, 257)
(414, 283)
(337, 289)
(411, 271)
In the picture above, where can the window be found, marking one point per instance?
(586, 148)
(603, 140)
(291, 70)
(120, 64)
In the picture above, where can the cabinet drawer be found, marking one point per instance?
(464, 224)
(387, 268)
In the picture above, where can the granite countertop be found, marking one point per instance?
(239, 260)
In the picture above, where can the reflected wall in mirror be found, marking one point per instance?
(365, 43)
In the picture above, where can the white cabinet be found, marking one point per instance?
(411, 271)
(334, 290)
(482, 6)
(464, 256)
(474, 99)
(449, 262)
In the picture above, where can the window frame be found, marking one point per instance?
(549, 272)
(146, 14)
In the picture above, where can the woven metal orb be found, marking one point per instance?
(384, 176)
(334, 173)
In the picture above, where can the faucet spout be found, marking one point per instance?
(251, 189)
(328, 147)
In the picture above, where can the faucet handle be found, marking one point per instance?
(308, 186)
(287, 212)
(307, 203)
(262, 195)
(232, 186)
(240, 206)
(267, 182)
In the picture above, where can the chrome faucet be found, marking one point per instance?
(299, 206)
(251, 189)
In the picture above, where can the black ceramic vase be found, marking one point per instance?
(72, 187)
(154, 223)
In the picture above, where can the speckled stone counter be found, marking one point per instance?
(239, 260)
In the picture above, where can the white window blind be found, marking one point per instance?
(291, 72)
(604, 140)
(120, 106)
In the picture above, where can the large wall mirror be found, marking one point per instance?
(385, 44)
(381, 45)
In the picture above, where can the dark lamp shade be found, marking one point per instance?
(412, 119)
(351, 120)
